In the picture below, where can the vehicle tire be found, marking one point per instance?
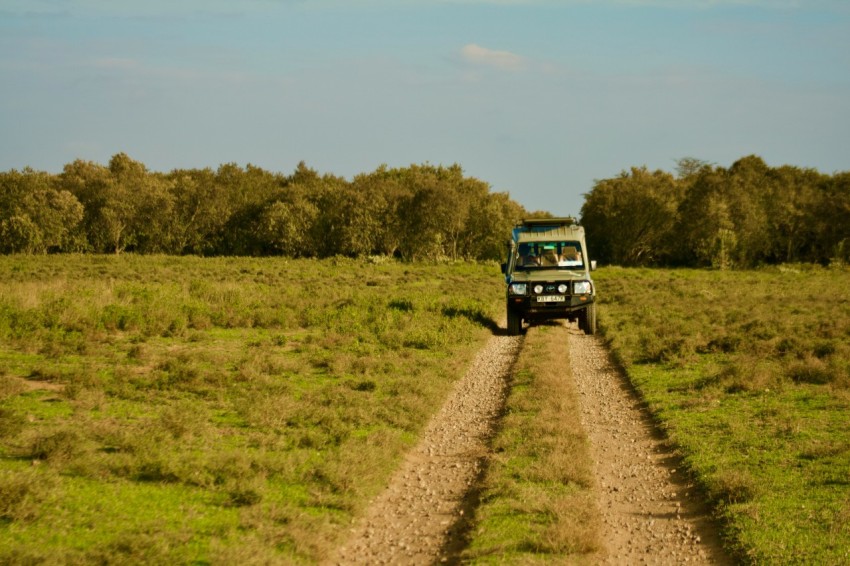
(587, 321)
(514, 323)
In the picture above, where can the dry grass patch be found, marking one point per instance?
(537, 502)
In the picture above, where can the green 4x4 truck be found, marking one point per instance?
(548, 274)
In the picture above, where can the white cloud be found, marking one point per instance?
(478, 55)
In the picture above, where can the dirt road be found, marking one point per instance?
(648, 510)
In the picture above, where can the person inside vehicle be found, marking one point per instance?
(549, 257)
(527, 257)
(570, 256)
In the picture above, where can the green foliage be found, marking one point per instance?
(418, 212)
(628, 219)
(36, 215)
(749, 372)
(743, 216)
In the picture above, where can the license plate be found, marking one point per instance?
(550, 299)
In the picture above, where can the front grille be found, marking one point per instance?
(550, 288)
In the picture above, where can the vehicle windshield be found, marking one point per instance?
(542, 255)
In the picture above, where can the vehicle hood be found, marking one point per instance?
(548, 275)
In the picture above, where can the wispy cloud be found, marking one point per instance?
(478, 55)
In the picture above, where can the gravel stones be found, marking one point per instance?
(649, 510)
(650, 513)
(415, 518)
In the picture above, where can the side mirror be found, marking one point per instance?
(593, 265)
(504, 268)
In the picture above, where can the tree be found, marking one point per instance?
(791, 213)
(199, 212)
(435, 210)
(488, 229)
(705, 230)
(630, 218)
(36, 216)
(387, 192)
(141, 208)
(285, 226)
(689, 167)
(108, 207)
(829, 218)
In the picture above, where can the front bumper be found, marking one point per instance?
(529, 307)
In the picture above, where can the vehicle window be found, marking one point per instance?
(539, 255)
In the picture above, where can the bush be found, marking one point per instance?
(23, 494)
(810, 370)
(58, 446)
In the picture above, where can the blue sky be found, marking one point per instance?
(537, 98)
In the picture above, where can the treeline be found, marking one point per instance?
(417, 212)
(704, 215)
(741, 216)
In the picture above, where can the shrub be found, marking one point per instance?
(23, 493)
(733, 486)
(810, 370)
(56, 446)
(11, 423)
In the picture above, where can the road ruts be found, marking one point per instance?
(414, 520)
(650, 513)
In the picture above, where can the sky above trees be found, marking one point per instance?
(536, 98)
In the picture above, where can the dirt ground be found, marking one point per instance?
(650, 511)
(651, 515)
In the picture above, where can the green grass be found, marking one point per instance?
(749, 373)
(178, 410)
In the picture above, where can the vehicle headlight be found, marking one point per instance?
(518, 288)
(562, 288)
(582, 287)
(538, 289)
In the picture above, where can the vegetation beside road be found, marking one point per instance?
(176, 410)
(749, 374)
(744, 215)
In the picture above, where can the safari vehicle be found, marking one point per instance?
(548, 274)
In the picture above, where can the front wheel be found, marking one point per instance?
(587, 319)
(514, 323)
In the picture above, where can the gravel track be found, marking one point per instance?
(650, 514)
(416, 520)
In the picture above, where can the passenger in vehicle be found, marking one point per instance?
(530, 260)
(527, 256)
(570, 256)
(549, 258)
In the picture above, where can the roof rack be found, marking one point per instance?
(554, 222)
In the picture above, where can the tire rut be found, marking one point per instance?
(419, 517)
(650, 512)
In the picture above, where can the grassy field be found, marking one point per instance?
(187, 410)
(749, 373)
(184, 410)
